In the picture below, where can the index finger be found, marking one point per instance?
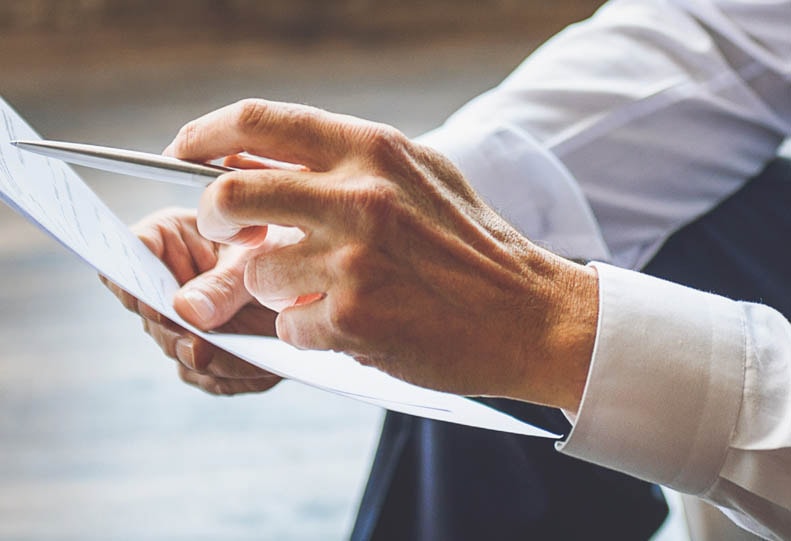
(287, 132)
(244, 200)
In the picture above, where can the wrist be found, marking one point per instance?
(555, 364)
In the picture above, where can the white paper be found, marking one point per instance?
(51, 194)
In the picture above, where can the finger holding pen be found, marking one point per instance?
(401, 265)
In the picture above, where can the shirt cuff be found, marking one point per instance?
(665, 383)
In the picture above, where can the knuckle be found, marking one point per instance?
(380, 199)
(250, 115)
(353, 261)
(228, 193)
(186, 139)
(362, 267)
(385, 143)
(127, 301)
(304, 116)
(148, 312)
(347, 317)
(372, 204)
(154, 229)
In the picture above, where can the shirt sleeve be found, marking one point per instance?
(653, 111)
(692, 391)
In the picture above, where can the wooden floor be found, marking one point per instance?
(98, 438)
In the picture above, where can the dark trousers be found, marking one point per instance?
(437, 481)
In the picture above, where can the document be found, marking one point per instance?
(50, 194)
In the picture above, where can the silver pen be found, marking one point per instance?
(127, 162)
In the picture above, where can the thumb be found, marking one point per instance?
(214, 297)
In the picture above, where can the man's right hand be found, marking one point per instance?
(212, 297)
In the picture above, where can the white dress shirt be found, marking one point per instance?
(605, 141)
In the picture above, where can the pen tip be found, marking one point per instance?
(14, 142)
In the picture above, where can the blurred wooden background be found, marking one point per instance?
(296, 19)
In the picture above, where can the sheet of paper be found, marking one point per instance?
(50, 194)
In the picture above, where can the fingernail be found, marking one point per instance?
(200, 303)
(185, 351)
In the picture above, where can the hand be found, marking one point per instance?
(402, 266)
(213, 296)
